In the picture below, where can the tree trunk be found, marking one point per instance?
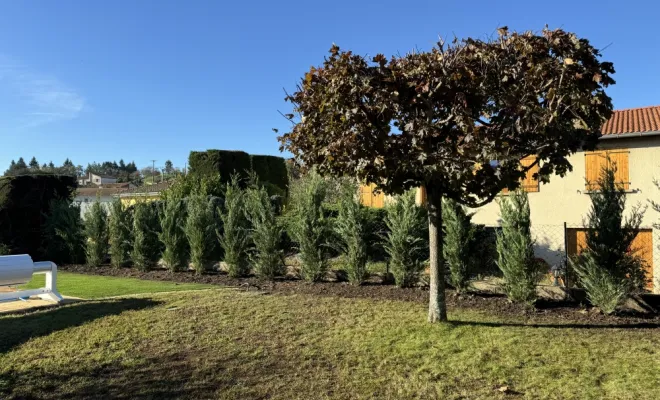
(437, 305)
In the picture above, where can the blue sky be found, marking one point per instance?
(143, 80)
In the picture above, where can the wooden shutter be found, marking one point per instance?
(371, 199)
(642, 246)
(596, 161)
(529, 183)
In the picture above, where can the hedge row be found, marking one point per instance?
(24, 204)
(269, 169)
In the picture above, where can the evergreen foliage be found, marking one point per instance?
(119, 229)
(459, 249)
(96, 232)
(265, 234)
(146, 246)
(234, 237)
(515, 249)
(25, 203)
(351, 227)
(199, 230)
(609, 265)
(63, 233)
(173, 236)
(406, 242)
(309, 227)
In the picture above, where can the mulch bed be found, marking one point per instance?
(492, 304)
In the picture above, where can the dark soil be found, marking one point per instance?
(492, 304)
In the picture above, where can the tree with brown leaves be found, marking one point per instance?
(457, 119)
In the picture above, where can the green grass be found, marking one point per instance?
(94, 287)
(230, 344)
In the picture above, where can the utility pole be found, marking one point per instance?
(153, 171)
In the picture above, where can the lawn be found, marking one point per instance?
(232, 344)
(94, 287)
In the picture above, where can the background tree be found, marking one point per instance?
(169, 168)
(20, 164)
(439, 119)
(34, 164)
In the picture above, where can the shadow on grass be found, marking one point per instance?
(17, 330)
(595, 325)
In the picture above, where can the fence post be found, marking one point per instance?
(566, 283)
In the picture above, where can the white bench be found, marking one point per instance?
(18, 270)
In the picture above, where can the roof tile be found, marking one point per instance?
(634, 120)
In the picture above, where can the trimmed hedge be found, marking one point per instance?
(24, 205)
(224, 162)
(271, 170)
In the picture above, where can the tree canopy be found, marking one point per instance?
(459, 117)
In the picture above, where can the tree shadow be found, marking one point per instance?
(638, 325)
(19, 329)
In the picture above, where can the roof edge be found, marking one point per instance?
(628, 135)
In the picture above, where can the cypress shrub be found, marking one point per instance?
(459, 247)
(173, 236)
(609, 268)
(265, 234)
(119, 229)
(96, 232)
(199, 229)
(515, 249)
(63, 233)
(405, 241)
(309, 227)
(25, 203)
(146, 246)
(234, 238)
(351, 227)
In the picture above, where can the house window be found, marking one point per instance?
(529, 183)
(596, 161)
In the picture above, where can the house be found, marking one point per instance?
(85, 196)
(142, 193)
(95, 179)
(631, 139)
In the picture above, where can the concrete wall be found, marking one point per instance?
(564, 199)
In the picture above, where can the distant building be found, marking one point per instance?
(94, 179)
(142, 193)
(85, 196)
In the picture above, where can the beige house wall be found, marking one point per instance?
(564, 199)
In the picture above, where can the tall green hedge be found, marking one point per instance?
(270, 170)
(224, 162)
(24, 205)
